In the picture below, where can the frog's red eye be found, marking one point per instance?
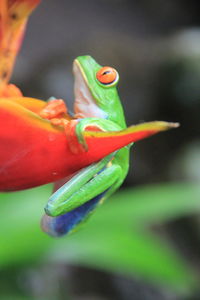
(107, 76)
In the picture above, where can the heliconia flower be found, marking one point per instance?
(34, 151)
(13, 18)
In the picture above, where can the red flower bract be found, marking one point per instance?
(34, 152)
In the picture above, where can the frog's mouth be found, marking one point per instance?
(85, 106)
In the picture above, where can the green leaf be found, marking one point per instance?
(116, 238)
(21, 239)
(153, 204)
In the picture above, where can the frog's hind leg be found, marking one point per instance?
(69, 222)
(84, 186)
(70, 205)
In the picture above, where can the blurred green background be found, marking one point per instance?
(144, 243)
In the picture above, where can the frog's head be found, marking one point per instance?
(95, 91)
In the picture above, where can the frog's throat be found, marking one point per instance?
(85, 105)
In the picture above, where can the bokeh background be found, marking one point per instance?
(155, 46)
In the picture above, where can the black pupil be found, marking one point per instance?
(106, 72)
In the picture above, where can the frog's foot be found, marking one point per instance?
(75, 135)
(55, 109)
(77, 129)
(89, 126)
(74, 131)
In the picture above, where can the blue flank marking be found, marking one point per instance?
(63, 224)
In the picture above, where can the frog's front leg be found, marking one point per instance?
(87, 184)
(77, 142)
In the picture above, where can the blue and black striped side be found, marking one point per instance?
(61, 225)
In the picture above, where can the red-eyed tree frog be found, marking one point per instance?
(41, 143)
(97, 107)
